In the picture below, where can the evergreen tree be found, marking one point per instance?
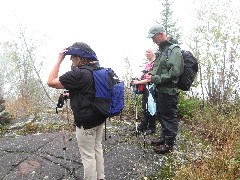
(168, 21)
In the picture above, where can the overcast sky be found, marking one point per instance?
(115, 29)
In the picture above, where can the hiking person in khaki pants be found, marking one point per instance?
(89, 125)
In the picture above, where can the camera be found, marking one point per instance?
(63, 97)
(132, 81)
(137, 88)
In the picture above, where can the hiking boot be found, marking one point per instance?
(157, 142)
(150, 131)
(163, 149)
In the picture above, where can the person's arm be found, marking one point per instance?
(143, 81)
(148, 77)
(53, 80)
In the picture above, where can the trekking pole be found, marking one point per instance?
(69, 124)
(106, 129)
(64, 145)
(144, 139)
(60, 104)
(145, 133)
(71, 169)
(136, 114)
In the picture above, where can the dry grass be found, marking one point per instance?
(23, 107)
(222, 133)
(18, 108)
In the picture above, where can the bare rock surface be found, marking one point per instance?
(41, 156)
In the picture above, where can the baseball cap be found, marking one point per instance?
(155, 29)
(83, 50)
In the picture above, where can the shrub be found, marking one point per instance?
(188, 106)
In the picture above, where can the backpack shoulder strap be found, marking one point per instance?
(90, 68)
(170, 49)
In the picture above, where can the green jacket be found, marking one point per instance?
(166, 71)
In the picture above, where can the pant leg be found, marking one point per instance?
(86, 144)
(99, 152)
(158, 117)
(144, 123)
(168, 113)
(162, 129)
(152, 122)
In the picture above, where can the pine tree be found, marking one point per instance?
(167, 20)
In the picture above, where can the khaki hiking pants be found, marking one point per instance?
(90, 147)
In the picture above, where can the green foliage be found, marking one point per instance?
(187, 106)
(32, 128)
(130, 102)
(168, 21)
(4, 122)
(3, 129)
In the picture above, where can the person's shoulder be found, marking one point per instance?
(79, 71)
(174, 51)
(174, 48)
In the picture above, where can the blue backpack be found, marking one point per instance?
(109, 92)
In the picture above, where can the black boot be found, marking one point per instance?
(163, 149)
(157, 142)
(150, 131)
